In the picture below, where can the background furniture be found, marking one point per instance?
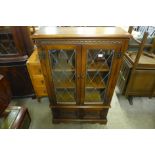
(137, 74)
(36, 75)
(11, 116)
(5, 93)
(15, 48)
(80, 66)
(15, 117)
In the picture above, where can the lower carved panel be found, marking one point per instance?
(80, 115)
(65, 114)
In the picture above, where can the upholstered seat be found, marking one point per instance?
(11, 117)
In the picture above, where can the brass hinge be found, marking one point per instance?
(42, 55)
(118, 55)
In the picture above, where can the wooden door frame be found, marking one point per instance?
(47, 70)
(113, 71)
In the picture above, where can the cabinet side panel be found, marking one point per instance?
(116, 64)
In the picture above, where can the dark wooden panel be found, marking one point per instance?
(80, 113)
(101, 121)
(95, 114)
(5, 93)
(66, 114)
(23, 41)
(18, 78)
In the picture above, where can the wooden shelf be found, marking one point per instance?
(65, 70)
(64, 96)
(96, 83)
(64, 80)
(93, 96)
(98, 66)
(65, 84)
(63, 67)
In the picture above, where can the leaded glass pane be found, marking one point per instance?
(63, 73)
(7, 45)
(98, 67)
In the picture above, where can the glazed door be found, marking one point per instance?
(63, 69)
(98, 63)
